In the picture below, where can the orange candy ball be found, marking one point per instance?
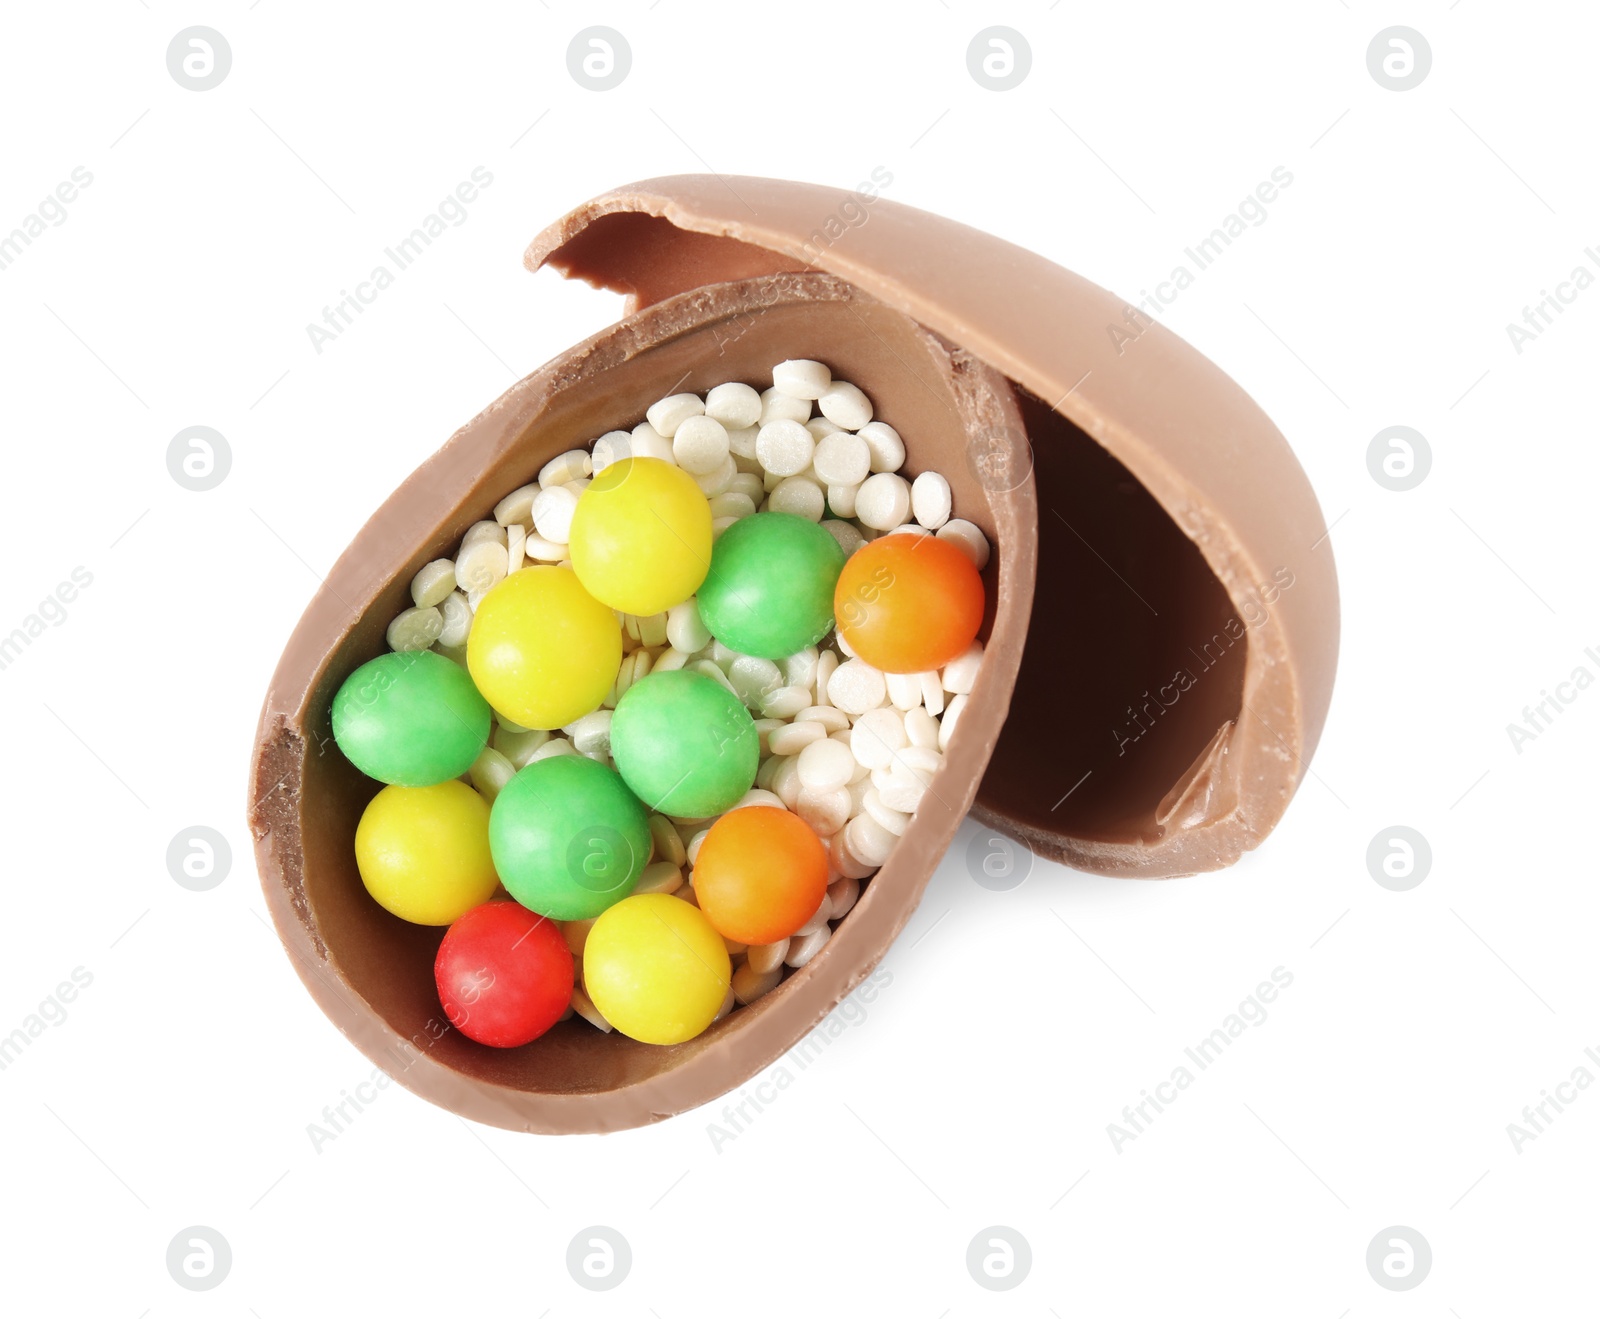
(760, 875)
(907, 603)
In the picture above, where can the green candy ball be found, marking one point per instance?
(684, 743)
(410, 717)
(567, 837)
(770, 589)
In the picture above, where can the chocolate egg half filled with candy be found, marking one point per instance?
(1164, 517)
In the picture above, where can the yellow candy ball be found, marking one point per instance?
(655, 968)
(423, 853)
(641, 536)
(542, 650)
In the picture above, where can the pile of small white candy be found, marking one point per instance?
(849, 749)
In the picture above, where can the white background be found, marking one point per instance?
(978, 1090)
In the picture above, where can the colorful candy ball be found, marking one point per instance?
(684, 743)
(656, 968)
(641, 536)
(542, 650)
(504, 975)
(423, 853)
(568, 838)
(760, 875)
(908, 603)
(770, 589)
(411, 717)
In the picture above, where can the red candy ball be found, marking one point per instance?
(504, 974)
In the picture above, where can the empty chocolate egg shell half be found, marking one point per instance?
(1162, 607)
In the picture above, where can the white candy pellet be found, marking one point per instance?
(668, 845)
(908, 529)
(584, 1006)
(803, 950)
(791, 739)
(801, 378)
(754, 678)
(612, 447)
(845, 405)
(786, 780)
(715, 483)
(552, 513)
(734, 405)
(415, 629)
(457, 620)
(826, 812)
(556, 746)
(433, 582)
(905, 690)
(856, 687)
(684, 629)
(825, 765)
(844, 860)
(932, 692)
(516, 547)
(842, 500)
(700, 445)
(887, 448)
(800, 669)
(732, 504)
(479, 532)
(742, 441)
(827, 666)
(930, 500)
(868, 840)
(749, 485)
(850, 540)
(592, 732)
(894, 821)
(800, 496)
(758, 797)
(883, 501)
(778, 406)
(785, 448)
(572, 465)
(970, 538)
(537, 548)
(652, 629)
(481, 566)
(947, 725)
(785, 702)
(843, 459)
(819, 918)
(748, 984)
(764, 958)
(842, 895)
(517, 506)
(518, 746)
(832, 719)
(820, 428)
(671, 412)
(922, 729)
(659, 877)
(648, 442)
(490, 772)
(959, 675)
(876, 737)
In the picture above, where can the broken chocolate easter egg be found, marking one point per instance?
(1161, 603)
